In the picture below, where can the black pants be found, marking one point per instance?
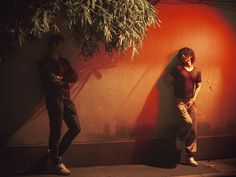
(59, 109)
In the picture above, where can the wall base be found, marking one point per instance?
(159, 152)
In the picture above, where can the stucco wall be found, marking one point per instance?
(124, 99)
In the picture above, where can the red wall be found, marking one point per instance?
(123, 99)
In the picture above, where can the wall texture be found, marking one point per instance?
(118, 99)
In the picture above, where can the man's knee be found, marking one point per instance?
(189, 122)
(75, 130)
(55, 133)
(78, 130)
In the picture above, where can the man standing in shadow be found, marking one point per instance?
(186, 80)
(56, 75)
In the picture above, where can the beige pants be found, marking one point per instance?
(186, 134)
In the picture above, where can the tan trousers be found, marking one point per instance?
(186, 134)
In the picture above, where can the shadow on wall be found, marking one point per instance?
(86, 70)
(21, 97)
(157, 120)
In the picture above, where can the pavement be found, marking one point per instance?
(214, 168)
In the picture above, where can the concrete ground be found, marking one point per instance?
(214, 168)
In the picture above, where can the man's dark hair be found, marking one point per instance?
(187, 52)
(54, 40)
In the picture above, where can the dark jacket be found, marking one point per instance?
(56, 75)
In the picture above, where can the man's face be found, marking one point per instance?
(59, 48)
(186, 58)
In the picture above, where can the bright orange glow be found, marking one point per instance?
(127, 99)
(206, 31)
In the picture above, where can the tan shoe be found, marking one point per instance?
(192, 162)
(60, 169)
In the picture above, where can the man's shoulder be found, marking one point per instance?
(197, 69)
(45, 61)
(175, 70)
(64, 60)
(179, 67)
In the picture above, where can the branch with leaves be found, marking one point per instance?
(94, 24)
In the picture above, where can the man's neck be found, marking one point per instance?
(188, 66)
(54, 55)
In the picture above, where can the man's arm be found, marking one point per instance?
(56, 79)
(70, 75)
(46, 74)
(198, 88)
(193, 100)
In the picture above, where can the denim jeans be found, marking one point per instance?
(187, 130)
(60, 108)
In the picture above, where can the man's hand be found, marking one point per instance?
(56, 78)
(59, 78)
(191, 102)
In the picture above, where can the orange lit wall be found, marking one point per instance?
(123, 99)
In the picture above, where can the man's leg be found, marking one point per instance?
(73, 124)
(186, 134)
(54, 106)
(191, 143)
(56, 110)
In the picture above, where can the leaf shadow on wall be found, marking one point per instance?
(22, 100)
(86, 70)
(157, 124)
